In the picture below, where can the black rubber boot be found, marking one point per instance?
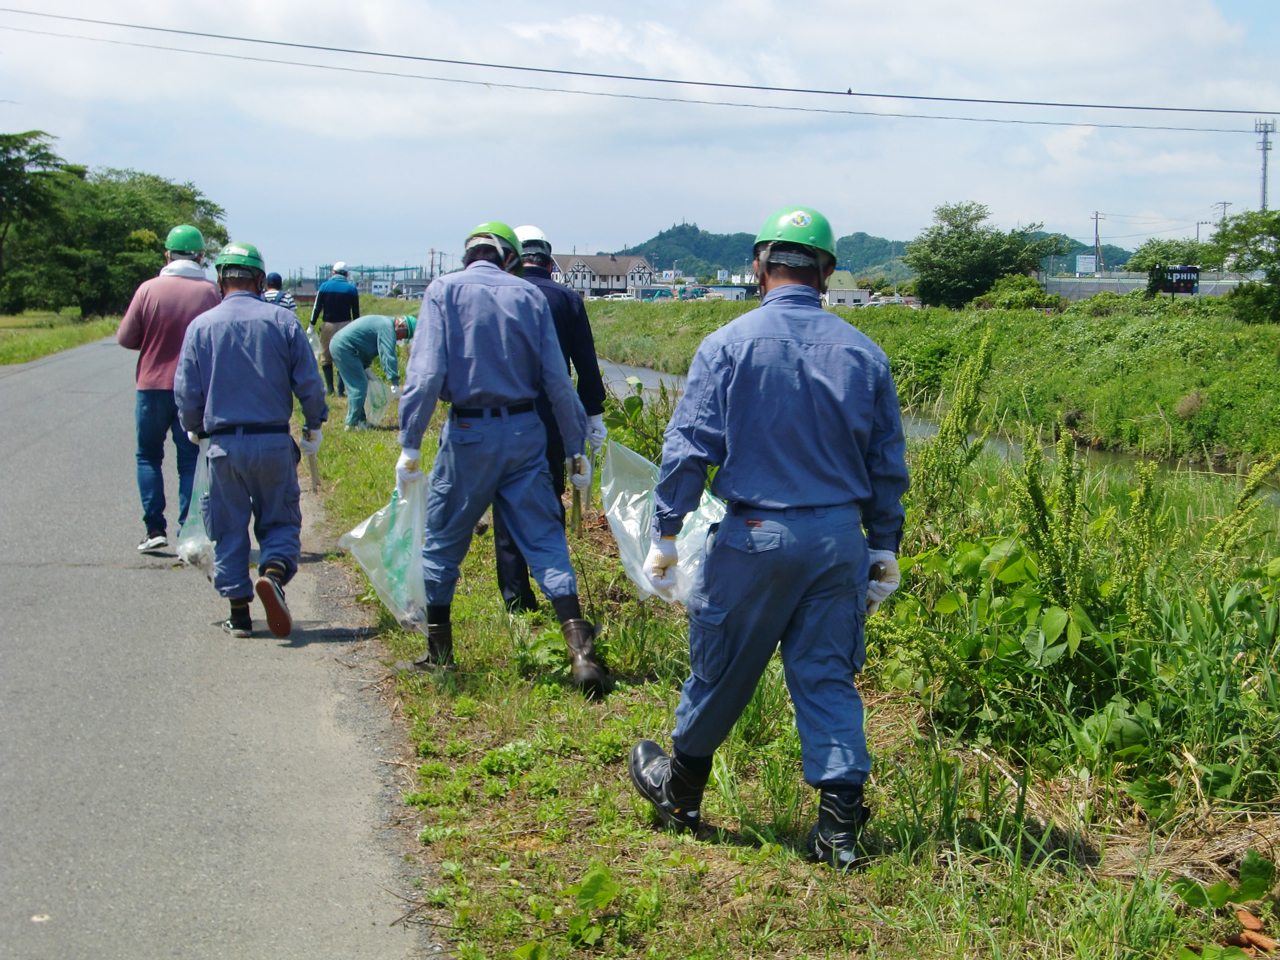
(663, 780)
(328, 378)
(342, 387)
(439, 650)
(835, 838)
(590, 675)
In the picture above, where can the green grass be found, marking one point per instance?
(37, 334)
(1162, 379)
(1008, 821)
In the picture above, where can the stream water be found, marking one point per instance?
(616, 374)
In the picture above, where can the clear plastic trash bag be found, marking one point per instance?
(376, 399)
(195, 549)
(626, 483)
(313, 338)
(388, 546)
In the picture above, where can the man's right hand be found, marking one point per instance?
(660, 566)
(408, 468)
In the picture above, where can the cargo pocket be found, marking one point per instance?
(438, 502)
(707, 648)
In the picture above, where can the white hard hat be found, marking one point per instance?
(532, 240)
(340, 267)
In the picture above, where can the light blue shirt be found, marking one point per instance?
(371, 336)
(797, 408)
(485, 338)
(242, 363)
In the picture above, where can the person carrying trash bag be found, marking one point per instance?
(487, 346)
(241, 365)
(798, 410)
(356, 345)
(154, 324)
(337, 304)
(573, 330)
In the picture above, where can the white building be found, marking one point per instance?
(597, 276)
(842, 290)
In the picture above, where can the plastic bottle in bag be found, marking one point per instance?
(388, 547)
(195, 549)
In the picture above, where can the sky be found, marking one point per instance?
(315, 165)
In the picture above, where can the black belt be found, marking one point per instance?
(525, 407)
(249, 428)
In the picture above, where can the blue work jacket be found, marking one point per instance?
(573, 330)
(242, 362)
(797, 408)
(337, 301)
(485, 338)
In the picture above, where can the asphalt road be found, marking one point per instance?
(166, 790)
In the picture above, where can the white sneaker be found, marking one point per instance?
(154, 540)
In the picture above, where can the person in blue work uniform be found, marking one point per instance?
(798, 410)
(355, 347)
(487, 344)
(573, 330)
(241, 365)
(337, 304)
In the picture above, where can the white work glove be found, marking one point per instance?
(395, 392)
(580, 472)
(878, 591)
(193, 437)
(310, 442)
(408, 468)
(597, 434)
(660, 566)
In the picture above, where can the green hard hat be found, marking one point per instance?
(411, 323)
(508, 239)
(802, 225)
(185, 238)
(240, 254)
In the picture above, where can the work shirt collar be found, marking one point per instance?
(794, 293)
(484, 265)
(531, 271)
(241, 293)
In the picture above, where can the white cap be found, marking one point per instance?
(340, 267)
(532, 240)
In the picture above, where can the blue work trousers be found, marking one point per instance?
(156, 416)
(795, 579)
(500, 461)
(252, 477)
(353, 373)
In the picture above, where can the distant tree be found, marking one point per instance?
(1170, 253)
(961, 256)
(29, 171)
(1018, 292)
(1246, 243)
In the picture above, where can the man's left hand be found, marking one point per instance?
(193, 437)
(879, 590)
(580, 472)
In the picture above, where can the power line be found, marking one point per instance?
(636, 79)
(619, 96)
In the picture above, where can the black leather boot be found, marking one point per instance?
(439, 653)
(834, 839)
(663, 780)
(590, 675)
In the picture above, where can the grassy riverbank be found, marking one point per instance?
(1161, 378)
(37, 334)
(1060, 733)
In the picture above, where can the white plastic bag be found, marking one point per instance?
(627, 483)
(195, 549)
(376, 399)
(313, 338)
(388, 546)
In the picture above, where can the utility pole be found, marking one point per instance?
(1266, 128)
(1199, 224)
(1222, 220)
(1097, 240)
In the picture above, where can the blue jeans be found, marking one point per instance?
(156, 414)
(795, 579)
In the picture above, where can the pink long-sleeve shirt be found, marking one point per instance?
(157, 320)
